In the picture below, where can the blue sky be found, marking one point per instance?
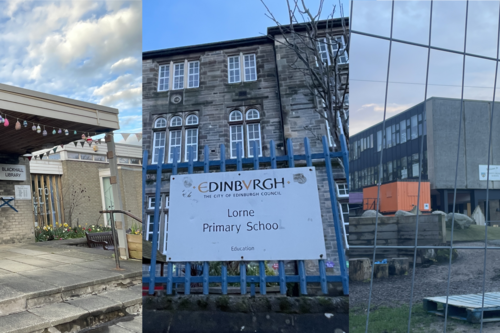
(85, 50)
(170, 24)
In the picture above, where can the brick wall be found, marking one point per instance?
(16, 227)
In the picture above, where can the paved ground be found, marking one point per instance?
(34, 269)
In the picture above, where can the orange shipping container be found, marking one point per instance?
(398, 195)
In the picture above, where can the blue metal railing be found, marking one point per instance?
(243, 279)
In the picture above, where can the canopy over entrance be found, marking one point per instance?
(49, 112)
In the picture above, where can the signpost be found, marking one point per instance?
(494, 172)
(269, 214)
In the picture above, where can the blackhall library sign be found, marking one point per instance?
(245, 215)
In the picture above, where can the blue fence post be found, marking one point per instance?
(222, 158)
(255, 156)
(206, 277)
(282, 275)
(243, 278)
(170, 272)
(239, 163)
(144, 177)
(345, 157)
(190, 159)
(272, 148)
(156, 228)
(262, 275)
(187, 279)
(206, 160)
(336, 222)
(224, 278)
(307, 148)
(291, 162)
(302, 278)
(322, 276)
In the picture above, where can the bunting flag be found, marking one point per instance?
(36, 157)
(125, 135)
(76, 143)
(62, 146)
(47, 153)
(41, 156)
(82, 143)
(138, 136)
(29, 158)
(90, 143)
(55, 149)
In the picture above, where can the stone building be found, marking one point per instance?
(21, 110)
(228, 92)
(74, 183)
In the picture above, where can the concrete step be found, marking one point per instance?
(43, 286)
(76, 313)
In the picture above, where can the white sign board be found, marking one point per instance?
(494, 172)
(13, 172)
(23, 192)
(245, 215)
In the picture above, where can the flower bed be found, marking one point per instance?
(64, 231)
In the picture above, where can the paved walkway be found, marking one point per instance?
(31, 271)
(130, 324)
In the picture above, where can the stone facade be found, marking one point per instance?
(279, 94)
(16, 227)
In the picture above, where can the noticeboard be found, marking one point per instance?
(269, 214)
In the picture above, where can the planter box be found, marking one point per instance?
(134, 246)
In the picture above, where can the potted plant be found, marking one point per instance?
(134, 240)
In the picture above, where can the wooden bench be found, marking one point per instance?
(100, 239)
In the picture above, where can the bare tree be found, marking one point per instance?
(75, 195)
(318, 59)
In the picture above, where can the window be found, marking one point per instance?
(194, 74)
(388, 136)
(402, 131)
(236, 136)
(191, 141)
(133, 161)
(99, 158)
(253, 137)
(164, 77)
(86, 157)
(174, 143)
(151, 202)
(344, 215)
(176, 121)
(158, 146)
(160, 123)
(54, 157)
(192, 120)
(371, 140)
(252, 114)
(342, 190)
(73, 156)
(337, 45)
(414, 133)
(178, 76)
(235, 116)
(249, 68)
(123, 160)
(234, 69)
(379, 140)
(237, 127)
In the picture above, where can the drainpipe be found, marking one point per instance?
(120, 226)
(279, 98)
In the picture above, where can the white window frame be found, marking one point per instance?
(194, 75)
(154, 159)
(186, 157)
(235, 112)
(324, 54)
(160, 119)
(170, 146)
(340, 49)
(150, 202)
(346, 190)
(231, 127)
(172, 120)
(235, 70)
(249, 145)
(252, 69)
(150, 232)
(252, 111)
(165, 232)
(165, 77)
(178, 82)
(191, 116)
(344, 223)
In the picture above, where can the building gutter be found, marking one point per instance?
(279, 99)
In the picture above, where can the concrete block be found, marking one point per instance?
(22, 322)
(96, 304)
(398, 266)
(59, 313)
(381, 271)
(359, 269)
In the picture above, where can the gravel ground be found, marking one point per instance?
(466, 278)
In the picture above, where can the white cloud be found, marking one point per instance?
(74, 48)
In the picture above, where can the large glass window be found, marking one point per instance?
(175, 143)
(414, 129)
(388, 136)
(234, 69)
(236, 136)
(250, 67)
(194, 74)
(379, 140)
(191, 141)
(402, 131)
(253, 134)
(178, 76)
(164, 76)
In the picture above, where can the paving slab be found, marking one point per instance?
(7, 293)
(95, 303)
(98, 275)
(37, 261)
(4, 272)
(130, 267)
(59, 313)
(26, 251)
(27, 285)
(16, 267)
(110, 329)
(87, 256)
(61, 258)
(58, 279)
(22, 322)
(126, 296)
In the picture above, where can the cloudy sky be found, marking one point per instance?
(166, 26)
(85, 50)
(368, 56)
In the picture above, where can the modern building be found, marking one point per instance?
(239, 91)
(21, 111)
(71, 184)
(439, 126)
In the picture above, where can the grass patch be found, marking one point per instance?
(474, 233)
(395, 320)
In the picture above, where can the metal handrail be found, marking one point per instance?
(113, 233)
